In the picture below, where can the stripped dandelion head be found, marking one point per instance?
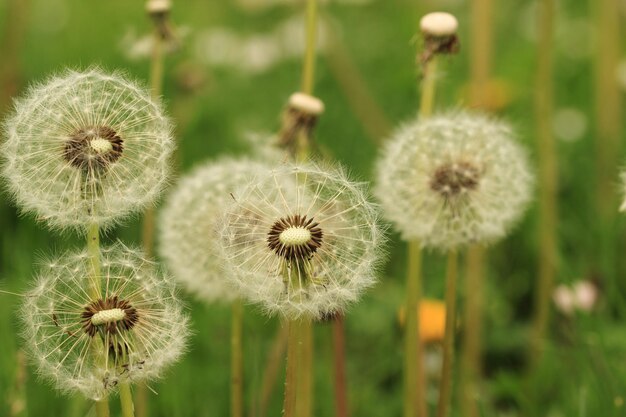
(89, 341)
(454, 179)
(302, 241)
(86, 147)
(189, 225)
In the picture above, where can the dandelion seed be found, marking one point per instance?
(453, 179)
(86, 147)
(302, 241)
(129, 333)
(189, 222)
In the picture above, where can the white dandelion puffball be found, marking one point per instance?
(129, 332)
(302, 241)
(453, 179)
(86, 147)
(189, 222)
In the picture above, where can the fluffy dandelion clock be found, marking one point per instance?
(189, 224)
(302, 240)
(86, 147)
(453, 179)
(129, 332)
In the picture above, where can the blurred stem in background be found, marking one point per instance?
(414, 384)
(481, 45)
(158, 11)
(608, 113)
(12, 39)
(445, 384)
(350, 80)
(547, 248)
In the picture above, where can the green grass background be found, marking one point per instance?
(584, 371)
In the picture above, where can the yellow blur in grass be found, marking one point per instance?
(432, 320)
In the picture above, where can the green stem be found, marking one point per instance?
(414, 389)
(547, 183)
(304, 405)
(414, 384)
(471, 363)
(126, 400)
(339, 357)
(429, 83)
(236, 360)
(308, 70)
(294, 343)
(93, 249)
(147, 232)
(445, 384)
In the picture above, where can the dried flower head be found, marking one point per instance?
(189, 224)
(302, 240)
(86, 147)
(453, 179)
(82, 342)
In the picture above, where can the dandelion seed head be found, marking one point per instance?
(189, 221)
(302, 240)
(129, 332)
(453, 179)
(86, 147)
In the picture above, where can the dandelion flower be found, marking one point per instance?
(189, 225)
(302, 241)
(86, 147)
(130, 332)
(453, 179)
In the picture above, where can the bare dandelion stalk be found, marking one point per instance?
(445, 385)
(547, 183)
(158, 10)
(471, 362)
(414, 384)
(98, 353)
(273, 365)
(304, 332)
(236, 359)
(608, 113)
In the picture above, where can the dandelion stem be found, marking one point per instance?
(339, 348)
(429, 83)
(304, 404)
(414, 390)
(93, 249)
(471, 359)
(147, 232)
(445, 385)
(547, 183)
(236, 360)
(294, 347)
(126, 400)
(414, 385)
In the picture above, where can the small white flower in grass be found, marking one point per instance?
(86, 147)
(453, 179)
(302, 241)
(189, 222)
(131, 332)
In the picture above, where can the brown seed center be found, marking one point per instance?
(93, 148)
(452, 179)
(295, 237)
(111, 316)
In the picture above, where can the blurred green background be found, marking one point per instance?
(237, 63)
